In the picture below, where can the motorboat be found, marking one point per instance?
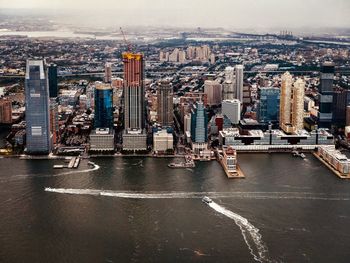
(206, 200)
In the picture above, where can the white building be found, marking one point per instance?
(102, 140)
(162, 141)
(232, 109)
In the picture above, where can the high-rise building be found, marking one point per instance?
(134, 136)
(103, 105)
(341, 99)
(54, 120)
(108, 72)
(269, 104)
(286, 102)
(298, 104)
(134, 94)
(37, 108)
(326, 95)
(199, 122)
(239, 82)
(229, 84)
(213, 90)
(232, 110)
(165, 105)
(53, 83)
(5, 111)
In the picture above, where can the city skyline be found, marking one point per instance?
(228, 14)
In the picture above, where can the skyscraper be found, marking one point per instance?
(239, 82)
(229, 91)
(165, 104)
(326, 95)
(298, 104)
(199, 122)
(134, 101)
(103, 105)
(37, 108)
(285, 102)
(108, 72)
(269, 104)
(53, 85)
(213, 90)
(134, 136)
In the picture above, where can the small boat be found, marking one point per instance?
(206, 200)
(302, 155)
(58, 166)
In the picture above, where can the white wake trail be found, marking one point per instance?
(250, 233)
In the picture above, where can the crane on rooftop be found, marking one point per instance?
(125, 40)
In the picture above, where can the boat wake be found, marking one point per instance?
(73, 171)
(199, 195)
(250, 233)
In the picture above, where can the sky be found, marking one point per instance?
(200, 13)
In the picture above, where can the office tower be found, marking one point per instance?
(341, 99)
(199, 122)
(232, 110)
(229, 84)
(213, 90)
(108, 72)
(134, 136)
(298, 105)
(269, 104)
(326, 95)
(53, 84)
(133, 91)
(187, 123)
(165, 106)
(54, 120)
(103, 105)
(5, 111)
(37, 108)
(239, 82)
(286, 102)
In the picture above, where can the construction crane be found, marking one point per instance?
(125, 40)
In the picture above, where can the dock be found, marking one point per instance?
(73, 163)
(232, 175)
(330, 167)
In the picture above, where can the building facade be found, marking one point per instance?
(103, 105)
(53, 82)
(37, 108)
(232, 109)
(326, 95)
(5, 111)
(165, 105)
(269, 104)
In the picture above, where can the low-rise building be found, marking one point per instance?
(102, 139)
(163, 141)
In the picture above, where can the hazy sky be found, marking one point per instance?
(222, 13)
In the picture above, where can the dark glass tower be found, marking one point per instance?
(37, 108)
(53, 86)
(269, 104)
(325, 89)
(199, 122)
(103, 106)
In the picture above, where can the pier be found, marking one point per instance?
(330, 166)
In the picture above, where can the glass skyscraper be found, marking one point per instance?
(37, 108)
(325, 114)
(103, 106)
(53, 86)
(269, 104)
(199, 122)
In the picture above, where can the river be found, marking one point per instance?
(139, 210)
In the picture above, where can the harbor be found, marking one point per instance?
(188, 163)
